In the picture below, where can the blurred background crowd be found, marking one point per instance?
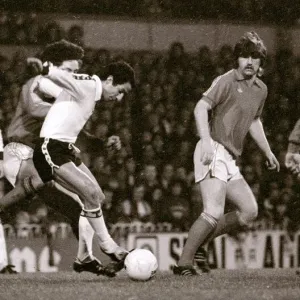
(285, 12)
(151, 178)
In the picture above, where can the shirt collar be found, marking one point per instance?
(240, 77)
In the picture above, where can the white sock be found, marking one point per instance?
(85, 243)
(106, 243)
(3, 250)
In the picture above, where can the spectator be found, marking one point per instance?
(75, 35)
(177, 206)
(136, 208)
(150, 179)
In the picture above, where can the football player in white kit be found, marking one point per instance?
(23, 133)
(54, 155)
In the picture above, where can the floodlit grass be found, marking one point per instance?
(273, 284)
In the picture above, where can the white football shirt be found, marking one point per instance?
(73, 105)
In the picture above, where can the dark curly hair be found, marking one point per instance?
(60, 51)
(121, 71)
(250, 44)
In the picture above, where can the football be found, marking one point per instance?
(140, 264)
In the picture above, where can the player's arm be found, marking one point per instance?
(212, 97)
(33, 101)
(258, 134)
(292, 158)
(202, 125)
(113, 142)
(66, 81)
(201, 118)
(294, 139)
(92, 139)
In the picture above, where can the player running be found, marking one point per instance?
(236, 100)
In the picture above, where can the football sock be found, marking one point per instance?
(96, 219)
(227, 223)
(3, 250)
(85, 241)
(200, 230)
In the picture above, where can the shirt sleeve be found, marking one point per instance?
(49, 88)
(33, 101)
(261, 106)
(67, 82)
(217, 92)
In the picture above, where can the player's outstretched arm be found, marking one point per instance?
(258, 134)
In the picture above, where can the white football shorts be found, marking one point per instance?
(223, 165)
(13, 155)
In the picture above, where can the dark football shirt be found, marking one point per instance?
(235, 105)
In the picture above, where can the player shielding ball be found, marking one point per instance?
(23, 132)
(54, 155)
(236, 100)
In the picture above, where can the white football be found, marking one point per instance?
(140, 264)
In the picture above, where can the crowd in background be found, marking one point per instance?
(151, 178)
(278, 11)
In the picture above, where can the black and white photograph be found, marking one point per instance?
(149, 150)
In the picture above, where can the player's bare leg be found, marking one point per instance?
(108, 245)
(77, 181)
(29, 184)
(238, 193)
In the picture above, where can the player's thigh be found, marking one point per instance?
(213, 191)
(87, 171)
(240, 194)
(75, 180)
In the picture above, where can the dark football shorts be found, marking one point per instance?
(49, 154)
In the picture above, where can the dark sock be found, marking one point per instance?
(200, 230)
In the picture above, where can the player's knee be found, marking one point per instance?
(93, 194)
(249, 215)
(252, 214)
(101, 197)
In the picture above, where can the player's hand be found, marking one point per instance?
(292, 162)
(1, 169)
(207, 151)
(47, 67)
(114, 143)
(36, 64)
(272, 162)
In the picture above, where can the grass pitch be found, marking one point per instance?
(272, 284)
